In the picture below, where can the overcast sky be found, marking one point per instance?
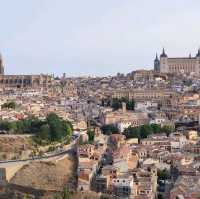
(87, 37)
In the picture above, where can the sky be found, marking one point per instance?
(94, 37)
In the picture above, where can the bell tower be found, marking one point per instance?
(1, 65)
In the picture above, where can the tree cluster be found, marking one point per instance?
(65, 195)
(53, 128)
(187, 82)
(117, 103)
(91, 135)
(145, 130)
(9, 105)
(163, 174)
(109, 129)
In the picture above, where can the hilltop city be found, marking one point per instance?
(126, 136)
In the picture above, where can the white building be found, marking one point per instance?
(157, 120)
(145, 105)
(123, 186)
(123, 125)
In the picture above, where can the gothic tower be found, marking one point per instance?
(156, 64)
(1, 65)
(164, 62)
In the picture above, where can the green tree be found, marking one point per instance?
(55, 127)
(109, 129)
(5, 125)
(187, 82)
(156, 128)
(117, 103)
(145, 130)
(160, 196)
(132, 132)
(91, 135)
(58, 127)
(66, 193)
(163, 174)
(167, 129)
(36, 125)
(57, 196)
(67, 128)
(20, 127)
(130, 105)
(44, 132)
(10, 105)
(25, 196)
(51, 129)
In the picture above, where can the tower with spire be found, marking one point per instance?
(1, 65)
(156, 64)
(164, 62)
(163, 53)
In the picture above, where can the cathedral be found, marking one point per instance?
(23, 81)
(177, 65)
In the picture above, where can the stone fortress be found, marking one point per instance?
(23, 81)
(177, 65)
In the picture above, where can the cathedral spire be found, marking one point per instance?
(163, 53)
(156, 56)
(157, 64)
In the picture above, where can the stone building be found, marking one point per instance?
(123, 117)
(177, 65)
(142, 75)
(144, 94)
(69, 88)
(23, 81)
